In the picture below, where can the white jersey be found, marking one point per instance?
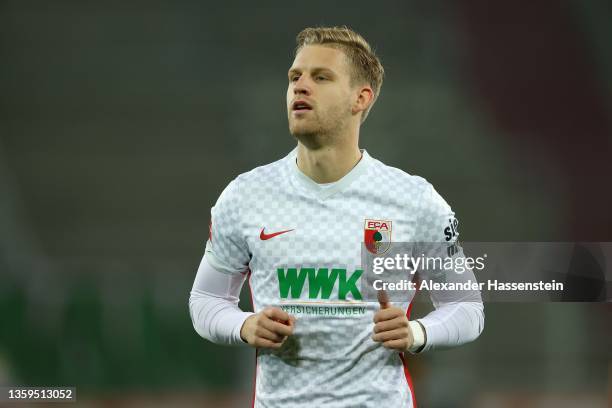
(300, 243)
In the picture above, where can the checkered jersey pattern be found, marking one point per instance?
(331, 360)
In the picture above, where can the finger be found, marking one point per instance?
(399, 344)
(388, 314)
(397, 334)
(397, 323)
(265, 343)
(277, 314)
(276, 327)
(264, 333)
(383, 299)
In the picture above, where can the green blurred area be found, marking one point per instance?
(85, 346)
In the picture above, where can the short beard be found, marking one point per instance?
(323, 133)
(313, 139)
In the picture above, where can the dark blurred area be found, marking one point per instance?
(120, 124)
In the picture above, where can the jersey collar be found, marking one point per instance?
(325, 191)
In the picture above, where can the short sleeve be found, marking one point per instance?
(437, 222)
(437, 238)
(226, 248)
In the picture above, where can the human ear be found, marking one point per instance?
(363, 100)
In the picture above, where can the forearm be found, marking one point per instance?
(216, 319)
(213, 305)
(453, 324)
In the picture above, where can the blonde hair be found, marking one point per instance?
(366, 67)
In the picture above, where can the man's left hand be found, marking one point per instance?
(391, 327)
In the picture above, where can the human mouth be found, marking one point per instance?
(301, 106)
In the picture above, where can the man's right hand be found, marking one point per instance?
(268, 328)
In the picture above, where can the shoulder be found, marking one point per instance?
(417, 188)
(247, 184)
(267, 173)
(400, 180)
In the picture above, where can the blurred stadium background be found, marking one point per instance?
(120, 124)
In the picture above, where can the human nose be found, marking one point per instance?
(301, 86)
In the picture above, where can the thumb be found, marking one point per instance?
(383, 299)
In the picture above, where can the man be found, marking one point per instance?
(296, 228)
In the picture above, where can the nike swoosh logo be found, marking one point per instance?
(263, 236)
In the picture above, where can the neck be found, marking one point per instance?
(327, 163)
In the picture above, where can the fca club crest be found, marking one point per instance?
(377, 236)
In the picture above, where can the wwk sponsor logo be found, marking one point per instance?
(321, 283)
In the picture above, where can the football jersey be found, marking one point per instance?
(301, 242)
